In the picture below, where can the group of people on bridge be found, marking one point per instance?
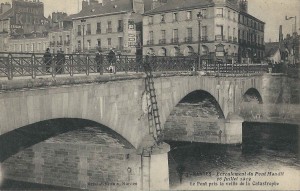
(60, 60)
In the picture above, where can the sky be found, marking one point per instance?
(272, 12)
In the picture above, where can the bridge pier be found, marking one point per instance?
(155, 169)
(233, 129)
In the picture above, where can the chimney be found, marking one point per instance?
(244, 6)
(5, 7)
(280, 34)
(85, 4)
(158, 3)
(94, 2)
(138, 6)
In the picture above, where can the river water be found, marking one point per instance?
(268, 159)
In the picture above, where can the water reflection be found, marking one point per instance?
(273, 148)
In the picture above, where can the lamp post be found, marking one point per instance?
(199, 18)
(82, 23)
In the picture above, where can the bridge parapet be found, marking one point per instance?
(14, 65)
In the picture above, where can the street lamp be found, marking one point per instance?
(199, 18)
(82, 23)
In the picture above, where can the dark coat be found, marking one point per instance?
(47, 58)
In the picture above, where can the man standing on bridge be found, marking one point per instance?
(47, 60)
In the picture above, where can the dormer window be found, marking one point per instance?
(189, 15)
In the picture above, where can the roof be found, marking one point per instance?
(115, 6)
(180, 5)
(271, 48)
(6, 14)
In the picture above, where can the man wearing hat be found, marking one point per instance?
(47, 60)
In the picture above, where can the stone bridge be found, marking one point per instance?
(118, 101)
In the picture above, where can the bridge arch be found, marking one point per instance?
(192, 115)
(29, 135)
(251, 95)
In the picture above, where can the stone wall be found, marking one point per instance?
(78, 159)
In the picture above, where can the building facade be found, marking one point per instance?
(193, 27)
(60, 36)
(34, 43)
(112, 24)
(251, 38)
(22, 19)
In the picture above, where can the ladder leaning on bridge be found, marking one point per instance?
(155, 129)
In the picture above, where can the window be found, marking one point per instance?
(68, 38)
(99, 42)
(150, 42)
(219, 12)
(163, 37)
(150, 20)
(89, 44)
(109, 41)
(219, 32)
(233, 32)
(120, 40)
(204, 33)
(229, 14)
(204, 13)
(175, 34)
(162, 18)
(109, 28)
(189, 37)
(234, 15)
(79, 30)
(60, 39)
(228, 32)
(98, 30)
(175, 17)
(189, 15)
(88, 29)
(120, 25)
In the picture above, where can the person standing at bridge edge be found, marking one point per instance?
(47, 60)
(99, 61)
(60, 62)
(111, 57)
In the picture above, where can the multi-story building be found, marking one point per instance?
(31, 43)
(192, 27)
(111, 24)
(60, 36)
(24, 17)
(251, 36)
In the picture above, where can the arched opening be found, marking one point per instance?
(189, 51)
(251, 106)
(29, 135)
(252, 95)
(175, 51)
(204, 50)
(195, 118)
(162, 52)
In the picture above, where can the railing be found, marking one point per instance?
(162, 41)
(150, 42)
(219, 37)
(174, 40)
(28, 64)
(204, 38)
(109, 30)
(188, 39)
